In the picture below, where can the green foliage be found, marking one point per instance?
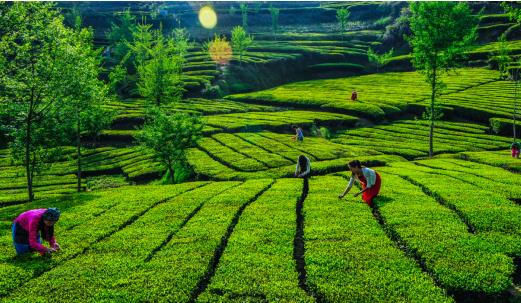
(380, 94)
(247, 262)
(342, 16)
(169, 136)
(241, 41)
(502, 126)
(502, 57)
(346, 249)
(121, 33)
(451, 137)
(82, 95)
(379, 60)
(441, 34)
(513, 13)
(37, 54)
(105, 182)
(160, 73)
(433, 233)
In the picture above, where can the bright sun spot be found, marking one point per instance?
(207, 17)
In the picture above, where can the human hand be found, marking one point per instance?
(48, 252)
(56, 247)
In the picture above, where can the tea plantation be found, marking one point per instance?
(240, 227)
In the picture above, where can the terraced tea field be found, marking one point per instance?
(241, 228)
(212, 241)
(378, 94)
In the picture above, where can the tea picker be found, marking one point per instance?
(29, 227)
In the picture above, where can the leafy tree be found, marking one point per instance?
(121, 33)
(379, 60)
(342, 16)
(513, 13)
(240, 41)
(33, 56)
(182, 43)
(140, 45)
(169, 137)
(160, 74)
(501, 56)
(82, 95)
(274, 18)
(441, 34)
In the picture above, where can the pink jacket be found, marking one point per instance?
(30, 222)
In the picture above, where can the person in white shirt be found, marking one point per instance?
(368, 178)
(303, 169)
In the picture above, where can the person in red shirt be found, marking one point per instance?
(354, 96)
(368, 178)
(28, 227)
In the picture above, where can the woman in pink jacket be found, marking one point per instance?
(28, 227)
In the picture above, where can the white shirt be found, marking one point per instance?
(370, 177)
(308, 167)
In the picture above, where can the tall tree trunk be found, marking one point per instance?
(78, 148)
(515, 110)
(171, 170)
(431, 130)
(28, 169)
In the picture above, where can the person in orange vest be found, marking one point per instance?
(354, 96)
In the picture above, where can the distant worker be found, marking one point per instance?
(28, 227)
(299, 135)
(515, 148)
(368, 178)
(354, 96)
(303, 170)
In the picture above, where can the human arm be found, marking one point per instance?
(348, 188)
(361, 192)
(53, 244)
(33, 238)
(297, 168)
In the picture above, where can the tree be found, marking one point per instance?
(379, 60)
(160, 73)
(182, 43)
(274, 18)
(501, 56)
(342, 16)
(513, 13)
(82, 95)
(441, 34)
(121, 33)
(33, 55)
(169, 136)
(240, 41)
